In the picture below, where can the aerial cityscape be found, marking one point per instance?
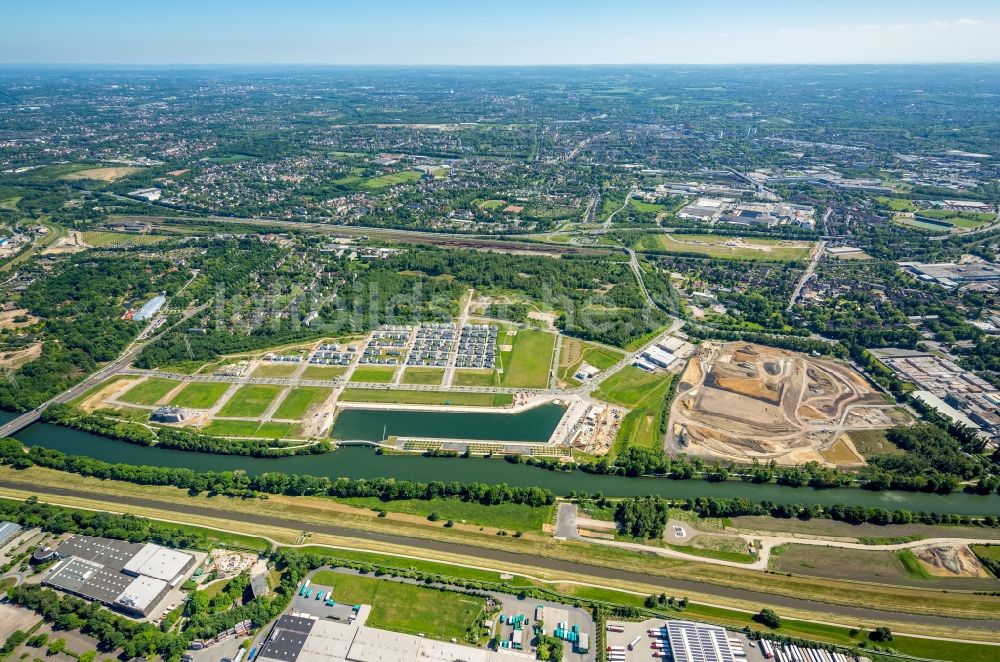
(500, 332)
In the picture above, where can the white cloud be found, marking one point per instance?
(968, 21)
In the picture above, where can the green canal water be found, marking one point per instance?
(532, 425)
(362, 462)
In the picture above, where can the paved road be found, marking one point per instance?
(566, 520)
(807, 274)
(116, 366)
(515, 561)
(628, 198)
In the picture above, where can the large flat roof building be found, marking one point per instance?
(150, 308)
(309, 639)
(950, 274)
(130, 577)
(7, 532)
(698, 642)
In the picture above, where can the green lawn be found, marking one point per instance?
(409, 397)
(527, 365)
(200, 395)
(404, 607)
(299, 400)
(374, 374)
(223, 428)
(384, 181)
(250, 400)
(387, 560)
(989, 555)
(509, 516)
(912, 565)
(231, 428)
(629, 386)
(432, 376)
(575, 352)
(323, 372)
(276, 370)
(475, 378)
(149, 392)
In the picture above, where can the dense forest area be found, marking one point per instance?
(81, 304)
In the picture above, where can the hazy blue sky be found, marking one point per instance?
(498, 32)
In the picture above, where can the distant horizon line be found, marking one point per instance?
(226, 65)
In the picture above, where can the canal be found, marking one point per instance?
(362, 462)
(532, 425)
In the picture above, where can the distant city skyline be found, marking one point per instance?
(490, 32)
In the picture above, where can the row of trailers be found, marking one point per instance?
(793, 653)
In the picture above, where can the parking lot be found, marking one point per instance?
(318, 608)
(551, 614)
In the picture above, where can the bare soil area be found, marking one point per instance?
(950, 561)
(740, 401)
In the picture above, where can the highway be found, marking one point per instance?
(517, 562)
(118, 365)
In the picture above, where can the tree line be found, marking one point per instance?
(238, 483)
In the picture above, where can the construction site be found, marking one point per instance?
(739, 402)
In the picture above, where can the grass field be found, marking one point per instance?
(912, 565)
(509, 516)
(404, 607)
(323, 372)
(299, 400)
(199, 395)
(375, 374)
(99, 239)
(403, 396)
(475, 378)
(102, 174)
(223, 428)
(250, 400)
(276, 370)
(575, 352)
(900, 568)
(710, 245)
(629, 386)
(990, 554)
(384, 181)
(149, 392)
(641, 426)
(872, 442)
(720, 554)
(529, 360)
(922, 225)
(432, 376)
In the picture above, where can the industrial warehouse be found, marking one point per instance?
(304, 638)
(130, 577)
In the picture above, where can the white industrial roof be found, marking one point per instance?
(141, 593)
(158, 562)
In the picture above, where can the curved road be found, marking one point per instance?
(517, 560)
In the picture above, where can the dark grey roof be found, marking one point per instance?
(287, 638)
(111, 553)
